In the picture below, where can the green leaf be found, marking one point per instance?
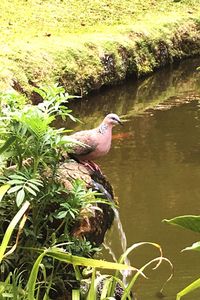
(14, 189)
(11, 227)
(3, 190)
(33, 186)
(15, 176)
(36, 181)
(195, 246)
(31, 285)
(76, 295)
(61, 215)
(30, 190)
(20, 197)
(188, 221)
(190, 288)
(83, 261)
(92, 291)
(16, 181)
(7, 144)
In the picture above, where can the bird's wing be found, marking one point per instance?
(86, 142)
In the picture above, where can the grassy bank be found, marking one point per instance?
(87, 44)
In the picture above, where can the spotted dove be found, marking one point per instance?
(94, 142)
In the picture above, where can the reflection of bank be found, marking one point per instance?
(133, 98)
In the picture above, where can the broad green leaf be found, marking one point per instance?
(20, 197)
(195, 246)
(3, 190)
(188, 221)
(11, 227)
(7, 144)
(190, 288)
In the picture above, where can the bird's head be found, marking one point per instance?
(112, 119)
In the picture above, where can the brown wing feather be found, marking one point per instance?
(86, 137)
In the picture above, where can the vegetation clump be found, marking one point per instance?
(31, 153)
(44, 253)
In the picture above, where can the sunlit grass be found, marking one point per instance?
(57, 17)
(36, 35)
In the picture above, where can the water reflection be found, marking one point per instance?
(155, 167)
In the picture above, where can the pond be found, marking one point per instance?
(154, 167)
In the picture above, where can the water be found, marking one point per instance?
(154, 167)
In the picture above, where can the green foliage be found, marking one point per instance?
(28, 132)
(188, 222)
(31, 147)
(22, 184)
(36, 211)
(108, 284)
(190, 288)
(193, 223)
(79, 199)
(10, 229)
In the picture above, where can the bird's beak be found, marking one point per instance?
(120, 123)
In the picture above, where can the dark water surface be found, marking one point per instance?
(154, 167)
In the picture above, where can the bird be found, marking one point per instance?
(94, 143)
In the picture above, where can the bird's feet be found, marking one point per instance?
(91, 165)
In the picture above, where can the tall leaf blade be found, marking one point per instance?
(76, 295)
(188, 221)
(83, 261)
(7, 144)
(11, 227)
(3, 190)
(190, 288)
(33, 277)
(92, 291)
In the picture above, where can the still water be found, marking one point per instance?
(154, 167)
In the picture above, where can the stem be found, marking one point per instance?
(35, 165)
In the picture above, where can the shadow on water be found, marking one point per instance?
(154, 167)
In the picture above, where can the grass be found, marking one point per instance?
(65, 40)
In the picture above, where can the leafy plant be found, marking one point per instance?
(22, 184)
(190, 222)
(28, 132)
(31, 150)
(37, 212)
(107, 286)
